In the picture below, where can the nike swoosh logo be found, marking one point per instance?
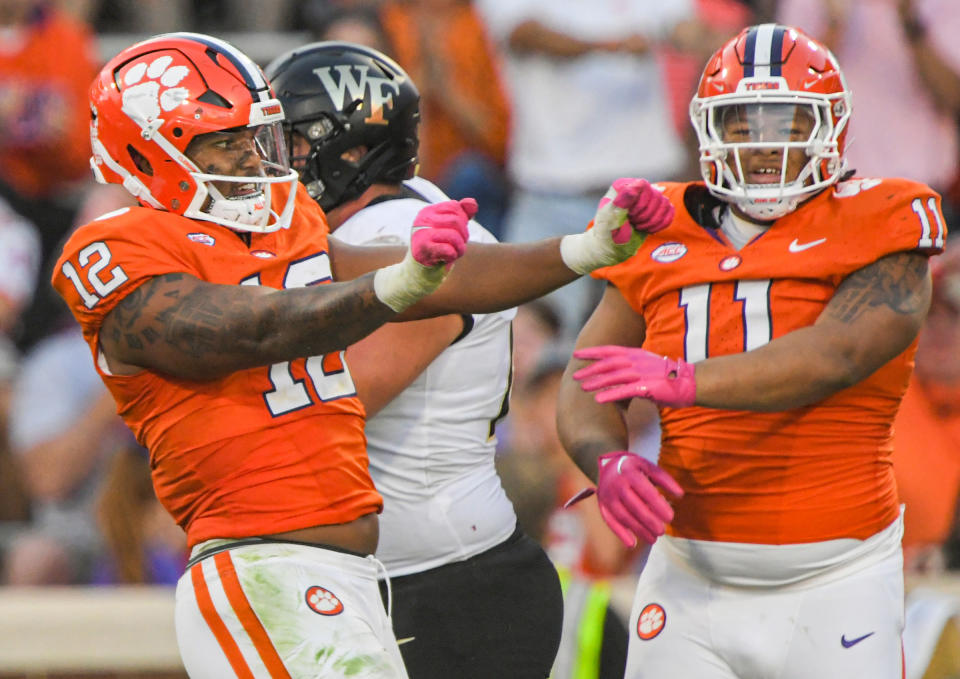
(853, 642)
(797, 246)
(406, 640)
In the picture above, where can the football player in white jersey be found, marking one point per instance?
(472, 595)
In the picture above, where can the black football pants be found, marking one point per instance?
(497, 615)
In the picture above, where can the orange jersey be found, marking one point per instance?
(263, 450)
(815, 473)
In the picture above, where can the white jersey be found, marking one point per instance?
(432, 448)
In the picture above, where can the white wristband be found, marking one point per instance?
(403, 284)
(584, 252)
(580, 251)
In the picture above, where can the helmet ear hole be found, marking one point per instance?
(140, 161)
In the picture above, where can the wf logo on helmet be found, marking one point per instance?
(356, 80)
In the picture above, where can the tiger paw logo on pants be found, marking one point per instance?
(651, 621)
(323, 601)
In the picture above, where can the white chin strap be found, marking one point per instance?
(252, 210)
(244, 213)
(768, 208)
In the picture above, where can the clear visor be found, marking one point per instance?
(269, 140)
(766, 124)
(240, 153)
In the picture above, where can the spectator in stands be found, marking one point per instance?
(20, 255)
(717, 20)
(14, 498)
(222, 15)
(443, 45)
(588, 103)
(536, 331)
(902, 62)
(926, 456)
(344, 24)
(19, 264)
(63, 429)
(47, 61)
(144, 545)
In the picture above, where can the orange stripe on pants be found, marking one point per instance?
(251, 623)
(217, 626)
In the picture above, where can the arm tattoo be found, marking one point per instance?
(127, 316)
(224, 324)
(194, 325)
(895, 281)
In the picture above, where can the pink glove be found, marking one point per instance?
(625, 372)
(628, 497)
(440, 232)
(648, 210)
(630, 210)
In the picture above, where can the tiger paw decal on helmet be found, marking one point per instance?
(144, 99)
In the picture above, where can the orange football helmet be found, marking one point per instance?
(771, 90)
(152, 99)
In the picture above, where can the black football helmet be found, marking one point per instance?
(339, 96)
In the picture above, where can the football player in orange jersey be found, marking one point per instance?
(774, 323)
(213, 317)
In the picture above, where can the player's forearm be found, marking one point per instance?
(187, 328)
(586, 428)
(493, 277)
(790, 372)
(317, 320)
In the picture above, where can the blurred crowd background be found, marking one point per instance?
(532, 116)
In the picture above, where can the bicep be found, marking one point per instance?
(386, 362)
(182, 326)
(877, 311)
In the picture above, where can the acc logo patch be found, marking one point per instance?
(202, 238)
(262, 254)
(668, 252)
(323, 601)
(651, 622)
